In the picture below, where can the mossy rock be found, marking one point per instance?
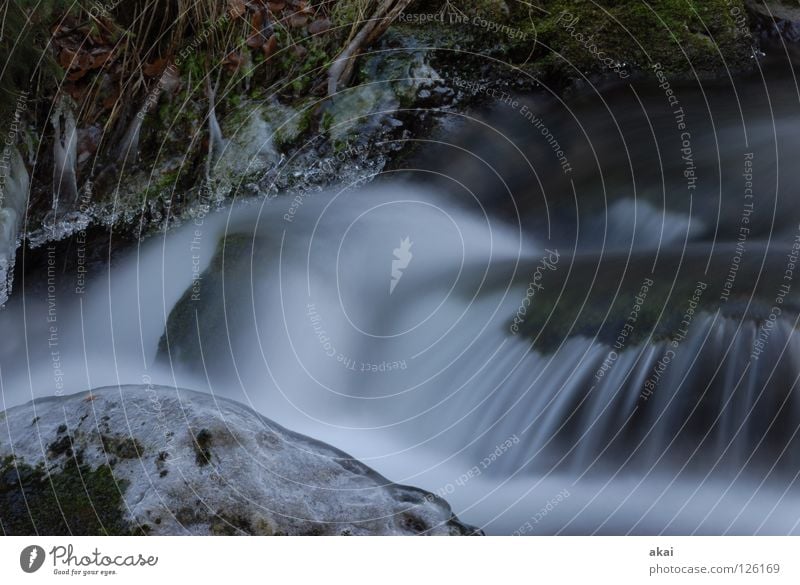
(685, 37)
(180, 344)
(549, 38)
(203, 465)
(595, 296)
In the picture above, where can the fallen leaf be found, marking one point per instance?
(99, 57)
(236, 8)
(155, 68)
(110, 100)
(255, 40)
(258, 20)
(233, 60)
(75, 91)
(319, 26)
(270, 46)
(304, 7)
(66, 58)
(83, 61)
(298, 20)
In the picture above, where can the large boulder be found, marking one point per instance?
(157, 460)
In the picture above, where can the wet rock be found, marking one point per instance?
(774, 22)
(389, 80)
(158, 460)
(249, 148)
(185, 340)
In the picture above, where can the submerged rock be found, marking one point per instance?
(158, 460)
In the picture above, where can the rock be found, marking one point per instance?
(774, 22)
(389, 80)
(249, 148)
(186, 341)
(157, 460)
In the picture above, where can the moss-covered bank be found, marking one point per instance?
(560, 40)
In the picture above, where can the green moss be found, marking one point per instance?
(681, 35)
(224, 524)
(347, 12)
(573, 305)
(187, 516)
(23, 34)
(289, 123)
(122, 447)
(301, 61)
(351, 110)
(76, 500)
(326, 121)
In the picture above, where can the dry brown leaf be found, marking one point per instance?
(66, 58)
(110, 99)
(233, 61)
(270, 46)
(255, 40)
(298, 20)
(236, 8)
(305, 8)
(76, 75)
(155, 68)
(258, 20)
(319, 26)
(99, 57)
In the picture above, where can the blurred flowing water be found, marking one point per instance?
(631, 394)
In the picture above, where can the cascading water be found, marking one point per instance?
(541, 384)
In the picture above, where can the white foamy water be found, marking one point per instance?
(425, 381)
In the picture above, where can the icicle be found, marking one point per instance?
(128, 149)
(216, 143)
(14, 183)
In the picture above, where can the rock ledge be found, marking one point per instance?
(158, 460)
